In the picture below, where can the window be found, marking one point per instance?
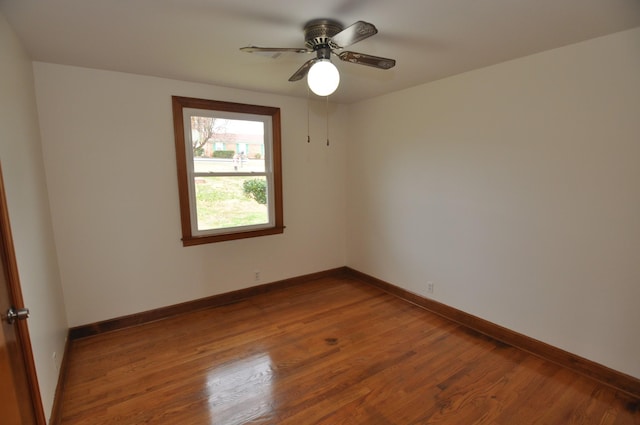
(229, 170)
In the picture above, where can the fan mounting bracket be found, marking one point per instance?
(318, 34)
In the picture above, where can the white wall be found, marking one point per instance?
(110, 161)
(516, 190)
(24, 179)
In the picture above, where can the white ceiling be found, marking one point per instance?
(198, 40)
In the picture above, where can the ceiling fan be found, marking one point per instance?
(324, 37)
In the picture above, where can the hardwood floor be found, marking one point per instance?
(330, 351)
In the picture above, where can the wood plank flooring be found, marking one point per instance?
(331, 351)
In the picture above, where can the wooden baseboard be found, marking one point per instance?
(84, 331)
(593, 370)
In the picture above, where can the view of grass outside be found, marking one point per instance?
(222, 202)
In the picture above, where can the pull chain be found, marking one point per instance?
(327, 112)
(309, 119)
(308, 113)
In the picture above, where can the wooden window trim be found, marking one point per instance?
(178, 104)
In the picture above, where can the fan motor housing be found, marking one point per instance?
(318, 33)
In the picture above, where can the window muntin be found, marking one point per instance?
(229, 170)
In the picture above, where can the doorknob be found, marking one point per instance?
(17, 314)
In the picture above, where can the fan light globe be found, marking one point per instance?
(323, 77)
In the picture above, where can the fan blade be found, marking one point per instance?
(303, 70)
(354, 33)
(369, 60)
(254, 49)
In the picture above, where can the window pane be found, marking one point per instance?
(225, 145)
(223, 202)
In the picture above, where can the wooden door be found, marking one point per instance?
(19, 393)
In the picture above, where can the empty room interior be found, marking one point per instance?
(451, 236)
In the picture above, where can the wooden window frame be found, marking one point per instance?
(179, 103)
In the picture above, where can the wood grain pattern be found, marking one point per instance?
(123, 322)
(615, 379)
(16, 351)
(331, 351)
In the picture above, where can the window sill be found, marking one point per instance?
(200, 240)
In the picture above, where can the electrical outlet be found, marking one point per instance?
(256, 276)
(54, 358)
(430, 287)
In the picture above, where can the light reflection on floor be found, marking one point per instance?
(240, 392)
